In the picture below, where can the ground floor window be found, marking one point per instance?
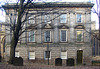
(17, 54)
(63, 55)
(31, 55)
(47, 55)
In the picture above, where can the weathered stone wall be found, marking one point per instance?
(55, 53)
(56, 46)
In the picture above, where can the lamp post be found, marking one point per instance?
(48, 52)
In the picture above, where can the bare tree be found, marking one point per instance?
(17, 28)
(96, 36)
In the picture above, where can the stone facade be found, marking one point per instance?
(71, 20)
(2, 40)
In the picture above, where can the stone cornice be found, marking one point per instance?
(51, 5)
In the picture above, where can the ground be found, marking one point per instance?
(6, 66)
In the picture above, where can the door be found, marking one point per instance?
(79, 56)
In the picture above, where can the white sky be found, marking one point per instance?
(2, 18)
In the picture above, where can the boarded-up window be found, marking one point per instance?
(17, 54)
(64, 55)
(31, 55)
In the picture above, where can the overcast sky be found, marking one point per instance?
(2, 14)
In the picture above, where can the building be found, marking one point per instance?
(2, 40)
(59, 29)
(96, 48)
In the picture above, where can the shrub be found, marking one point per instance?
(70, 62)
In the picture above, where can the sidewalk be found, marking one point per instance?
(6, 66)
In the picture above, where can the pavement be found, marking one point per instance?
(7, 66)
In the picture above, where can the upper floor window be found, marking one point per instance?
(63, 18)
(47, 18)
(47, 36)
(31, 36)
(63, 35)
(79, 18)
(31, 19)
(79, 36)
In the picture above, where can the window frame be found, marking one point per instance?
(31, 36)
(32, 19)
(65, 56)
(45, 36)
(45, 55)
(79, 19)
(17, 54)
(47, 18)
(82, 38)
(63, 20)
(31, 55)
(61, 36)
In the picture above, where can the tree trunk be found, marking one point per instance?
(15, 36)
(12, 49)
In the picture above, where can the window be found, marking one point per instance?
(31, 55)
(0, 27)
(63, 36)
(63, 18)
(79, 18)
(46, 18)
(31, 19)
(31, 36)
(47, 36)
(64, 55)
(47, 55)
(79, 35)
(17, 54)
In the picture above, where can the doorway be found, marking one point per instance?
(79, 56)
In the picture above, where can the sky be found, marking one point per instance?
(2, 14)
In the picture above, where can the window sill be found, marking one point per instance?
(31, 42)
(63, 42)
(47, 58)
(31, 59)
(47, 42)
(79, 42)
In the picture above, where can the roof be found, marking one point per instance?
(52, 4)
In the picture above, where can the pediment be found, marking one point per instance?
(32, 27)
(63, 27)
(47, 26)
(79, 27)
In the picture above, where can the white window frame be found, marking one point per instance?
(32, 19)
(17, 54)
(81, 37)
(47, 18)
(45, 36)
(63, 18)
(31, 36)
(45, 55)
(31, 55)
(61, 36)
(77, 18)
(63, 54)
